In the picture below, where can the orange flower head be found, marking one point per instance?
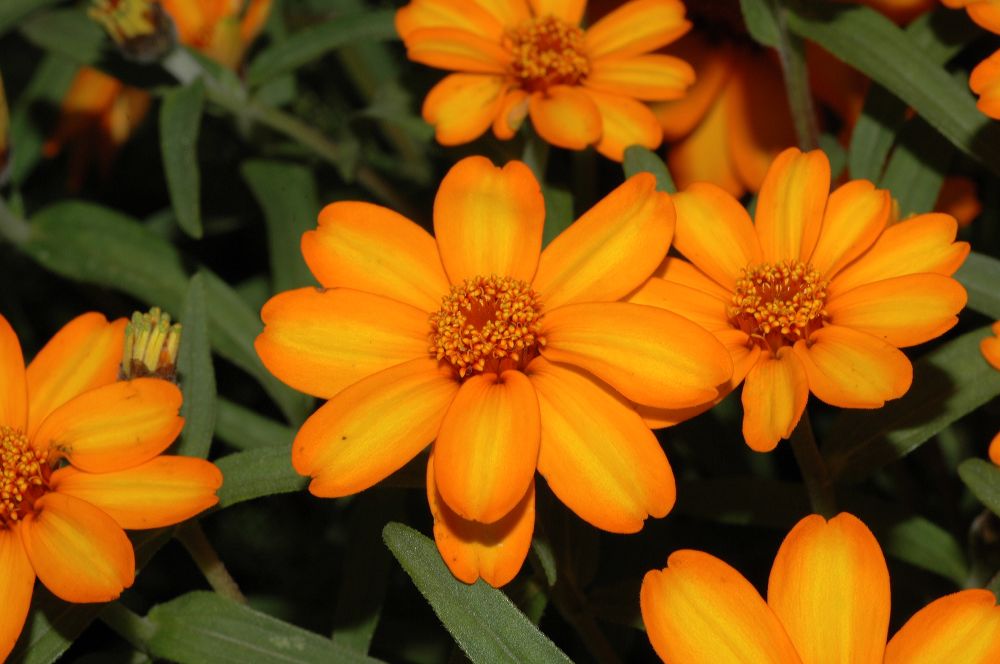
(985, 78)
(503, 358)
(828, 600)
(580, 87)
(990, 347)
(140, 28)
(817, 295)
(80, 461)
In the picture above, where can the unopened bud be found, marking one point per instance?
(140, 28)
(151, 344)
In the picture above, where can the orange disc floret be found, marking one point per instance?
(547, 52)
(23, 474)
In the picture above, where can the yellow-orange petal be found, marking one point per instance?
(985, 13)
(461, 107)
(624, 122)
(254, 19)
(84, 354)
(636, 27)
(985, 82)
(565, 117)
(596, 454)
(77, 551)
(570, 11)
(13, 386)
(699, 610)
(611, 249)
(487, 449)
(713, 63)
(373, 249)
(510, 13)
(961, 627)
(679, 271)
(852, 369)
(16, 585)
(704, 155)
(774, 395)
(319, 342)
(829, 586)
(698, 307)
(904, 311)
(509, 117)
(925, 243)
(856, 214)
(994, 450)
(372, 428)
(114, 427)
(651, 356)
(472, 550)
(457, 50)
(488, 220)
(990, 347)
(715, 233)
(647, 77)
(790, 205)
(161, 492)
(458, 14)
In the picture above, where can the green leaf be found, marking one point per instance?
(921, 543)
(980, 275)
(205, 627)
(948, 384)
(761, 21)
(287, 194)
(49, 82)
(12, 11)
(263, 471)
(244, 429)
(312, 43)
(916, 170)
(68, 32)
(558, 212)
(196, 373)
(983, 480)
(180, 119)
(484, 623)
(639, 159)
(871, 43)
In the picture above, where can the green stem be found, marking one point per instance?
(129, 625)
(815, 474)
(212, 568)
(572, 604)
(13, 227)
(536, 153)
(791, 52)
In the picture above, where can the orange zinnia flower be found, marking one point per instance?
(985, 78)
(508, 358)
(990, 347)
(221, 29)
(79, 461)
(531, 58)
(827, 601)
(816, 296)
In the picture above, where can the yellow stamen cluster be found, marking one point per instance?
(487, 324)
(778, 304)
(140, 28)
(547, 51)
(151, 344)
(24, 475)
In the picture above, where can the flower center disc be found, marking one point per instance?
(24, 475)
(547, 51)
(778, 304)
(487, 324)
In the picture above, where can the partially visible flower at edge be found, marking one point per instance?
(506, 357)
(817, 295)
(990, 347)
(580, 87)
(828, 600)
(80, 461)
(985, 78)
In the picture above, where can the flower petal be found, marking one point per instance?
(829, 586)
(715, 233)
(463, 106)
(961, 627)
(994, 449)
(699, 610)
(16, 585)
(78, 551)
(13, 386)
(925, 243)
(319, 342)
(487, 449)
(986, 14)
(372, 428)
(774, 395)
(856, 214)
(596, 454)
(114, 427)
(565, 117)
(790, 205)
(457, 50)
(611, 249)
(458, 14)
(570, 11)
(371, 248)
(990, 347)
(636, 27)
(161, 492)
(713, 63)
(852, 369)
(510, 13)
(985, 82)
(679, 271)
(903, 311)
(84, 354)
(510, 116)
(488, 220)
(473, 550)
(651, 356)
(647, 77)
(624, 122)
(698, 307)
